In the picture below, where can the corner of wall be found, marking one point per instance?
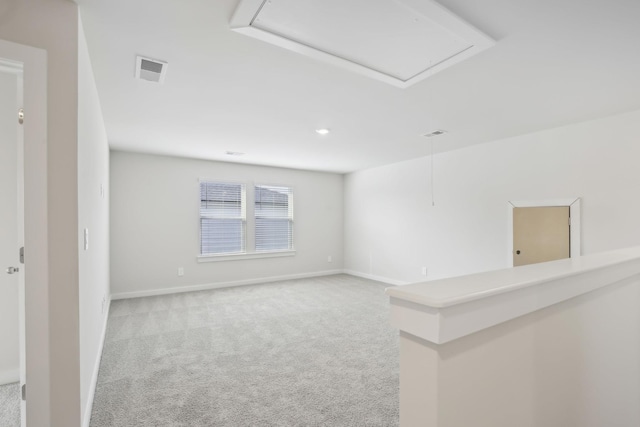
(93, 218)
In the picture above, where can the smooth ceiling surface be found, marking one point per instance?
(555, 62)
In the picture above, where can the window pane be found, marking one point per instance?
(220, 199)
(222, 221)
(273, 234)
(221, 236)
(274, 218)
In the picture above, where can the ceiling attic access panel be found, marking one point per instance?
(399, 42)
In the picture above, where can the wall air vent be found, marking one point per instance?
(151, 69)
(399, 42)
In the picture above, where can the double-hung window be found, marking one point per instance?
(273, 218)
(222, 218)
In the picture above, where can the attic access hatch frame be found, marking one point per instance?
(248, 12)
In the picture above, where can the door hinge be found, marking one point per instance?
(569, 220)
(24, 392)
(22, 255)
(21, 116)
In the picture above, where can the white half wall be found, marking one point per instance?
(392, 230)
(575, 363)
(93, 215)
(155, 224)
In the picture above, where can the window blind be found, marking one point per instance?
(273, 218)
(222, 218)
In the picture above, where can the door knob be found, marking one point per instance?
(12, 270)
(517, 252)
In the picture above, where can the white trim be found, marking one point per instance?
(20, 244)
(9, 376)
(207, 286)
(444, 310)
(247, 10)
(220, 181)
(245, 255)
(575, 211)
(11, 67)
(96, 369)
(547, 202)
(243, 217)
(382, 279)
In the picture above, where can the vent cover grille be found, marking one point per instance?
(151, 69)
(154, 67)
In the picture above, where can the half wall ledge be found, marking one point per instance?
(440, 311)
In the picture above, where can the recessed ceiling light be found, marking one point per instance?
(233, 153)
(436, 132)
(323, 131)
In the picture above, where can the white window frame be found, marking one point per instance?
(249, 234)
(291, 218)
(243, 217)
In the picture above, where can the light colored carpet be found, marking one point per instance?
(10, 405)
(312, 352)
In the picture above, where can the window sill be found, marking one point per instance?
(244, 255)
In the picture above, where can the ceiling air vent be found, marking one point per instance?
(151, 69)
(436, 132)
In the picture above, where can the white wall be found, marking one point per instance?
(391, 229)
(52, 360)
(9, 322)
(93, 214)
(576, 363)
(155, 220)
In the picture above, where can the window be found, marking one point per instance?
(274, 218)
(222, 218)
(223, 221)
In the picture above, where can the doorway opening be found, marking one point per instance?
(29, 166)
(12, 295)
(543, 230)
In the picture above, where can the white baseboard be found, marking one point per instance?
(96, 368)
(9, 376)
(207, 286)
(376, 278)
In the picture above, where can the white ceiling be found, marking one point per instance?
(555, 62)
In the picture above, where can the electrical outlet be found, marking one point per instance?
(329, 259)
(180, 271)
(424, 271)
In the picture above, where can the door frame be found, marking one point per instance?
(17, 69)
(36, 273)
(574, 206)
